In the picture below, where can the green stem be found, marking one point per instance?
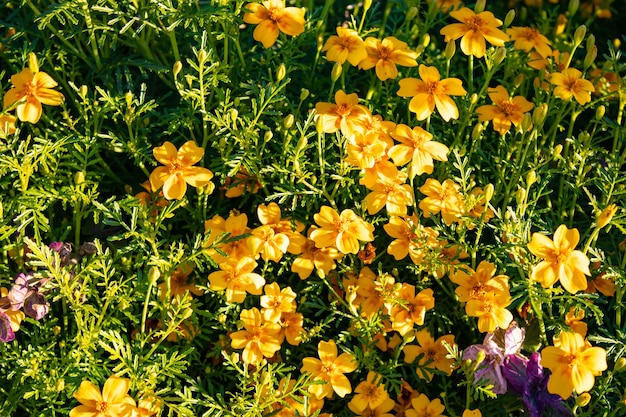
(144, 314)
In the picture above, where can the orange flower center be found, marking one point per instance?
(343, 109)
(431, 353)
(274, 14)
(507, 107)
(341, 225)
(530, 34)
(327, 368)
(561, 257)
(102, 407)
(175, 168)
(30, 89)
(432, 87)
(347, 43)
(384, 52)
(370, 413)
(370, 391)
(474, 23)
(476, 291)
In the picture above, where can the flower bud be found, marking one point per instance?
(288, 121)
(539, 114)
(620, 365)
(477, 131)
(527, 122)
(336, 72)
(153, 275)
(281, 72)
(499, 56)
(177, 68)
(583, 399)
(590, 57)
(518, 80)
(557, 151)
(33, 63)
(489, 189)
(234, 114)
(450, 50)
(268, 136)
(82, 91)
(79, 177)
(572, 7)
(367, 4)
(304, 93)
(474, 98)
(600, 112)
(531, 178)
(606, 215)
(520, 195)
(202, 55)
(480, 357)
(411, 13)
(319, 124)
(426, 40)
(508, 19)
(480, 6)
(579, 35)
(591, 41)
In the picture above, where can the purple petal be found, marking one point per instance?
(514, 370)
(36, 306)
(6, 332)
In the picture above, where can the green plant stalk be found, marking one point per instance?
(93, 39)
(537, 310)
(144, 313)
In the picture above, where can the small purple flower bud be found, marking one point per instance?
(6, 332)
(36, 306)
(64, 250)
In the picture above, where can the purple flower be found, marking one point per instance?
(536, 396)
(19, 291)
(64, 250)
(36, 305)
(6, 332)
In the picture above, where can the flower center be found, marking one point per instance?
(474, 23)
(175, 168)
(507, 107)
(530, 34)
(432, 87)
(431, 353)
(274, 15)
(327, 368)
(102, 407)
(384, 52)
(343, 109)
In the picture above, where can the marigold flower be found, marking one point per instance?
(574, 364)
(410, 238)
(527, 38)
(273, 17)
(148, 406)
(430, 92)
(385, 55)
(446, 5)
(393, 194)
(346, 115)
(364, 149)
(237, 278)
(574, 320)
(491, 311)
(369, 393)
(32, 88)
(373, 292)
(277, 301)
(606, 215)
(442, 197)
(422, 407)
(240, 183)
(411, 309)
(7, 125)
(433, 354)
(264, 240)
(291, 405)
(416, 145)
(313, 257)
(475, 29)
(346, 45)
(561, 262)
(506, 110)
(570, 83)
(259, 339)
(474, 284)
(344, 231)
(472, 413)
(291, 323)
(381, 411)
(235, 244)
(329, 368)
(113, 401)
(178, 170)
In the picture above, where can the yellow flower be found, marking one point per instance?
(575, 321)
(369, 393)
(411, 309)
(422, 407)
(433, 354)
(364, 149)
(490, 308)
(259, 339)
(237, 278)
(344, 231)
(346, 45)
(291, 323)
(380, 411)
(573, 363)
(113, 401)
(430, 92)
(472, 413)
(474, 30)
(273, 17)
(313, 257)
(570, 83)
(7, 125)
(148, 406)
(277, 301)
(385, 55)
(346, 115)
(235, 244)
(447, 5)
(330, 369)
(178, 170)
(560, 261)
(14, 317)
(474, 284)
(527, 38)
(606, 216)
(31, 88)
(505, 110)
(393, 194)
(416, 145)
(444, 198)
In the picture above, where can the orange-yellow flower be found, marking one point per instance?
(490, 308)
(364, 149)
(430, 92)
(444, 198)
(575, 321)
(32, 88)
(291, 323)
(527, 38)
(475, 29)
(433, 354)
(561, 262)
(313, 257)
(7, 125)
(259, 339)
(178, 170)
(369, 393)
(380, 411)
(416, 145)
(391, 193)
(330, 369)
(290, 403)
(273, 17)
(344, 231)
(573, 363)
(113, 401)
(237, 278)
(385, 55)
(411, 310)
(346, 45)
(422, 407)
(277, 301)
(346, 115)
(227, 236)
(410, 238)
(505, 110)
(474, 284)
(447, 5)
(569, 83)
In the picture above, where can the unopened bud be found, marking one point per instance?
(557, 151)
(499, 56)
(474, 98)
(606, 215)
(527, 122)
(129, 99)
(591, 56)
(579, 35)
(288, 121)
(489, 189)
(33, 63)
(480, 6)
(531, 178)
(477, 131)
(319, 124)
(620, 365)
(572, 7)
(600, 112)
(367, 4)
(281, 72)
(82, 91)
(450, 50)
(268, 136)
(304, 93)
(508, 19)
(79, 177)
(539, 114)
(426, 40)
(177, 68)
(336, 72)
(520, 195)
(411, 13)
(202, 55)
(153, 275)
(234, 114)
(480, 357)
(591, 41)
(583, 399)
